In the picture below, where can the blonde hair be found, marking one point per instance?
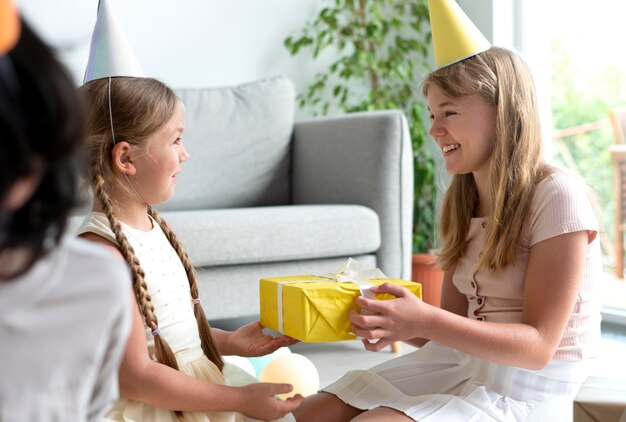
(139, 107)
(502, 80)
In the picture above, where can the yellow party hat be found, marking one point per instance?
(455, 37)
(9, 26)
(110, 53)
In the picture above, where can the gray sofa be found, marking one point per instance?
(264, 196)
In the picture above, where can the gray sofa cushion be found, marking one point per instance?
(238, 139)
(271, 234)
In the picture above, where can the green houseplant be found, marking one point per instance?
(381, 49)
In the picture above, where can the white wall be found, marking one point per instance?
(198, 43)
(186, 43)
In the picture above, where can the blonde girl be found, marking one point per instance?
(172, 367)
(519, 321)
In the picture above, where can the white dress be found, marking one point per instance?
(438, 383)
(169, 289)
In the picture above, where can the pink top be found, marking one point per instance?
(560, 205)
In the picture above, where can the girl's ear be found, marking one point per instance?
(120, 156)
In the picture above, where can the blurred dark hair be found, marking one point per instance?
(41, 118)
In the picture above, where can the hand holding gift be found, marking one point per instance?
(314, 308)
(380, 323)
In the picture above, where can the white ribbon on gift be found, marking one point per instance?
(350, 272)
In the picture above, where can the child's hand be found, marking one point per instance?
(250, 340)
(388, 320)
(259, 401)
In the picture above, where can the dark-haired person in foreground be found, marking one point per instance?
(64, 303)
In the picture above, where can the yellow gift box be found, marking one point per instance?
(315, 308)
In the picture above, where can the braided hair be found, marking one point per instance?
(139, 107)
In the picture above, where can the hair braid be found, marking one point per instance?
(204, 328)
(162, 350)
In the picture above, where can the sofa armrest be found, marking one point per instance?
(366, 159)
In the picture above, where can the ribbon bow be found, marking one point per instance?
(350, 272)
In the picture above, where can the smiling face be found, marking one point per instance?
(464, 128)
(160, 162)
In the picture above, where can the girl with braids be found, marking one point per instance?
(519, 321)
(172, 369)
